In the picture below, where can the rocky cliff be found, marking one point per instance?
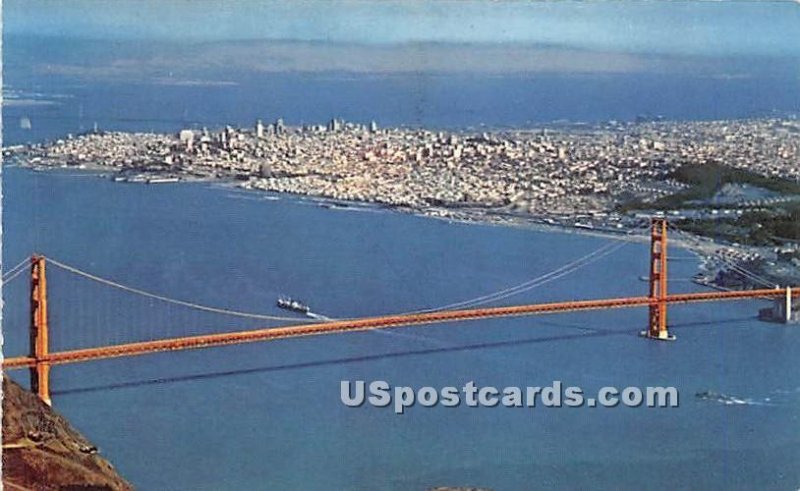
(42, 451)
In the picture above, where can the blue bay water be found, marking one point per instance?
(268, 415)
(475, 101)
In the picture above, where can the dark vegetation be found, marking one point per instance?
(756, 227)
(705, 180)
(751, 228)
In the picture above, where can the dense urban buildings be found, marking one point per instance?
(570, 170)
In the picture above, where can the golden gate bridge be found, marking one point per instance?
(41, 357)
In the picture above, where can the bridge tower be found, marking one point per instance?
(657, 328)
(39, 342)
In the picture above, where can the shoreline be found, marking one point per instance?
(468, 216)
(461, 215)
(611, 225)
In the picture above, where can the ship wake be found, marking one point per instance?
(730, 400)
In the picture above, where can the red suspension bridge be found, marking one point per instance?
(40, 358)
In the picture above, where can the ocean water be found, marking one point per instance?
(268, 415)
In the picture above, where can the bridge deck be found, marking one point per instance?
(380, 322)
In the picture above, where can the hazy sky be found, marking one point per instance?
(672, 27)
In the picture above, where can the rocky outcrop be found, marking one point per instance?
(42, 451)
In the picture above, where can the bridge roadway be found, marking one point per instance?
(369, 323)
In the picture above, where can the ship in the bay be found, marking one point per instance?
(288, 303)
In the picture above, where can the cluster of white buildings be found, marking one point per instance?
(572, 170)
